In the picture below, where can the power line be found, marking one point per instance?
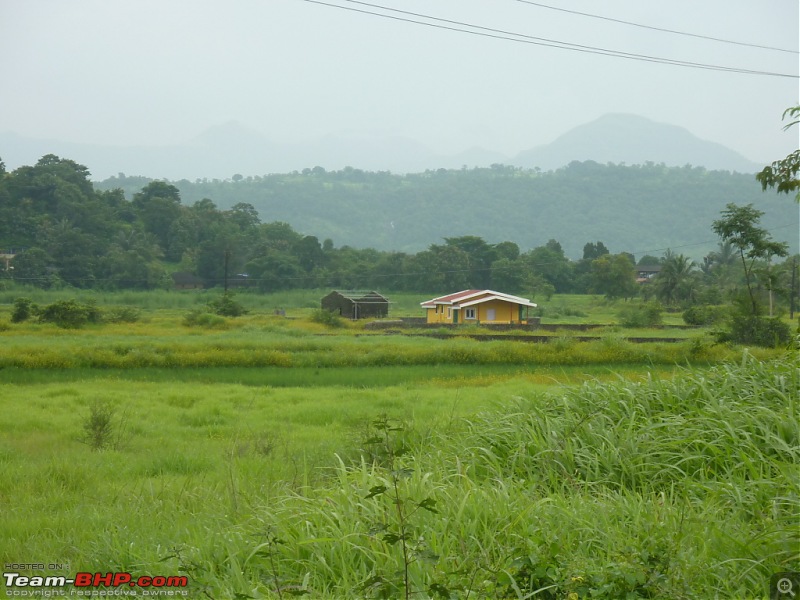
(651, 27)
(478, 30)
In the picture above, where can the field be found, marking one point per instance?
(268, 457)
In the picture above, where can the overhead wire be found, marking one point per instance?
(479, 30)
(654, 28)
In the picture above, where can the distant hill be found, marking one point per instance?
(232, 148)
(632, 140)
(638, 209)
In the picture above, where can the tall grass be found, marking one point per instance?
(664, 489)
(678, 488)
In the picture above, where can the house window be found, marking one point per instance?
(469, 313)
(448, 312)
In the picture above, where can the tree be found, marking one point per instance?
(782, 174)
(592, 251)
(739, 227)
(674, 282)
(614, 276)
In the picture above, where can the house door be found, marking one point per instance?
(455, 315)
(490, 314)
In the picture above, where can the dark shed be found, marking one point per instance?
(354, 304)
(186, 281)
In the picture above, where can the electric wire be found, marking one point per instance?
(662, 29)
(478, 30)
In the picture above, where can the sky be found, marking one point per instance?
(150, 72)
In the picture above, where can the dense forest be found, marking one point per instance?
(67, 231)
(635, 209)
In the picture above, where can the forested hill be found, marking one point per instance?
(639, 209)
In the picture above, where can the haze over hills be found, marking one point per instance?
(230, 148)
(629, 139)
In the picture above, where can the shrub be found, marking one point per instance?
(226, 306)
(704, 315)
(23, 309)
(768, 332)
(70, 314)
(200, 318)
(123, 314)
(327, 318)
(102, 429)
(641, 315)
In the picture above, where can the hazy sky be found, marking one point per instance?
(128, 72)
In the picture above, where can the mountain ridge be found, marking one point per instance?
(233, 148)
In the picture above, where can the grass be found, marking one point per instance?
(242, 458)
(683, 486)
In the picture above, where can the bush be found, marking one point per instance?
(102, 429)
(704, 315)
(200, 318)
(23, 309)
(641, 315)
(226, 306)
(768, 332)
(123, 314)
(70, 314)
(327, 318)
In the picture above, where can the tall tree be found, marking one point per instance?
(614, 276)
(739, 226)
(673, 284)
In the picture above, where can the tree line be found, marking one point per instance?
(72, 234)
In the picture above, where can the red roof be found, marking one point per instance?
(484, 294)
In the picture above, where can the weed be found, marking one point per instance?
(327, 318)
(102, 429)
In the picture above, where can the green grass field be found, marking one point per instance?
(269, 457)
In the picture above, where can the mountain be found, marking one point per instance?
(630, 139)
(231, 148)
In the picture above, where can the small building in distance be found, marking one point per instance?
(355, 304)
(478, 306)
(186, 281)
(645, 273)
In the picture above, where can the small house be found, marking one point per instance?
(186, 281)
(478, 306)
(645, 273)
(354, 304)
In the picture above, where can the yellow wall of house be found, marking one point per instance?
(505, 312)
(441, 316)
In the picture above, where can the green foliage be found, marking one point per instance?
(705, 315)
(614, 276)
(23, 310)
(641, 315)
(327, 318)
(102, 428)
(200, 318)
(739, 226)
(782, 175)
(70, 314)
(745, 328)
(226, 306)
(123, 314)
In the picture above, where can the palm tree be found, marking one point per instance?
(675, 281)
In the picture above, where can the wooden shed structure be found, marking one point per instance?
(355, 304)
(186, 281)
